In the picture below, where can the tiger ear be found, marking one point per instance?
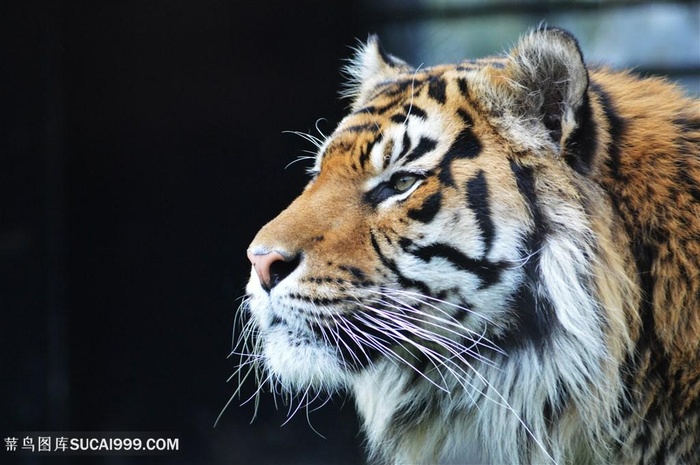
(370, 66)
(547, 83)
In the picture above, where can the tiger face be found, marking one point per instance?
(457, 262)
(402, 218)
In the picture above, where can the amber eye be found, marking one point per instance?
(404, 182)
(399, 183)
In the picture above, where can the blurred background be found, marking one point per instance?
(142, 145)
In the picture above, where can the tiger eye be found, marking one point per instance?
(405, 182)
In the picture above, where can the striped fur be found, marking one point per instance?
(499, 260)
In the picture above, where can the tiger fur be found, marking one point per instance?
(498, 259)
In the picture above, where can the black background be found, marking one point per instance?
(142, 148)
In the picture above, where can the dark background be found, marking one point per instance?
(141, 148)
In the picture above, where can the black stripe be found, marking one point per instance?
(379, 110)
(469, 66)
(353, 270)
(372, 127)
(425, 145)
(533, 315)
(436, 89)
(658, 372)
(414, 110)
(687, 182)
(533, 308)
(554, 408)
(402, 280)
(644, 256)
(399, 118)
(488, 272)
(426, 213)
(478, 200)
(463, 88)
(581, 146)
(369, 110)
(465, 146)
(317, 300)
(687, 124)
(367, 149)
(662, 451)
(465, 117)
(406, 142)
(525, 180)
(617, 127)
(399, 87)
(339, 144)
(688, 141)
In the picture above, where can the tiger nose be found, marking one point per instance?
(272, 267)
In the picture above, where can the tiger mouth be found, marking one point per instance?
(326, 347)
(323, 332)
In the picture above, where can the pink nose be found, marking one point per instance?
(271, 268)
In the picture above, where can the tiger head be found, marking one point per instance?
(451, 235)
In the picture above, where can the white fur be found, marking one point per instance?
(499, 400)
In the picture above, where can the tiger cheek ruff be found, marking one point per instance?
(497, 259)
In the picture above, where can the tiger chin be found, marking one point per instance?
(498, 260)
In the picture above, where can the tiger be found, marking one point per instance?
(498, 260)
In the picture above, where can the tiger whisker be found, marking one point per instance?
(425, 299)
(461, 330)
(318, 143)
(309, 411)
(505, 404)
(249, 358)
(251, 363)
(325, 137)
(524, 260)
(437, 361)
(338, 339)
(369, 340)
(456, 354)
(432, 355)
(241, 379)
(303, 401)
(392, 355)
(300, 159)
(458, 373)
(413, 91)
(260, 383)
